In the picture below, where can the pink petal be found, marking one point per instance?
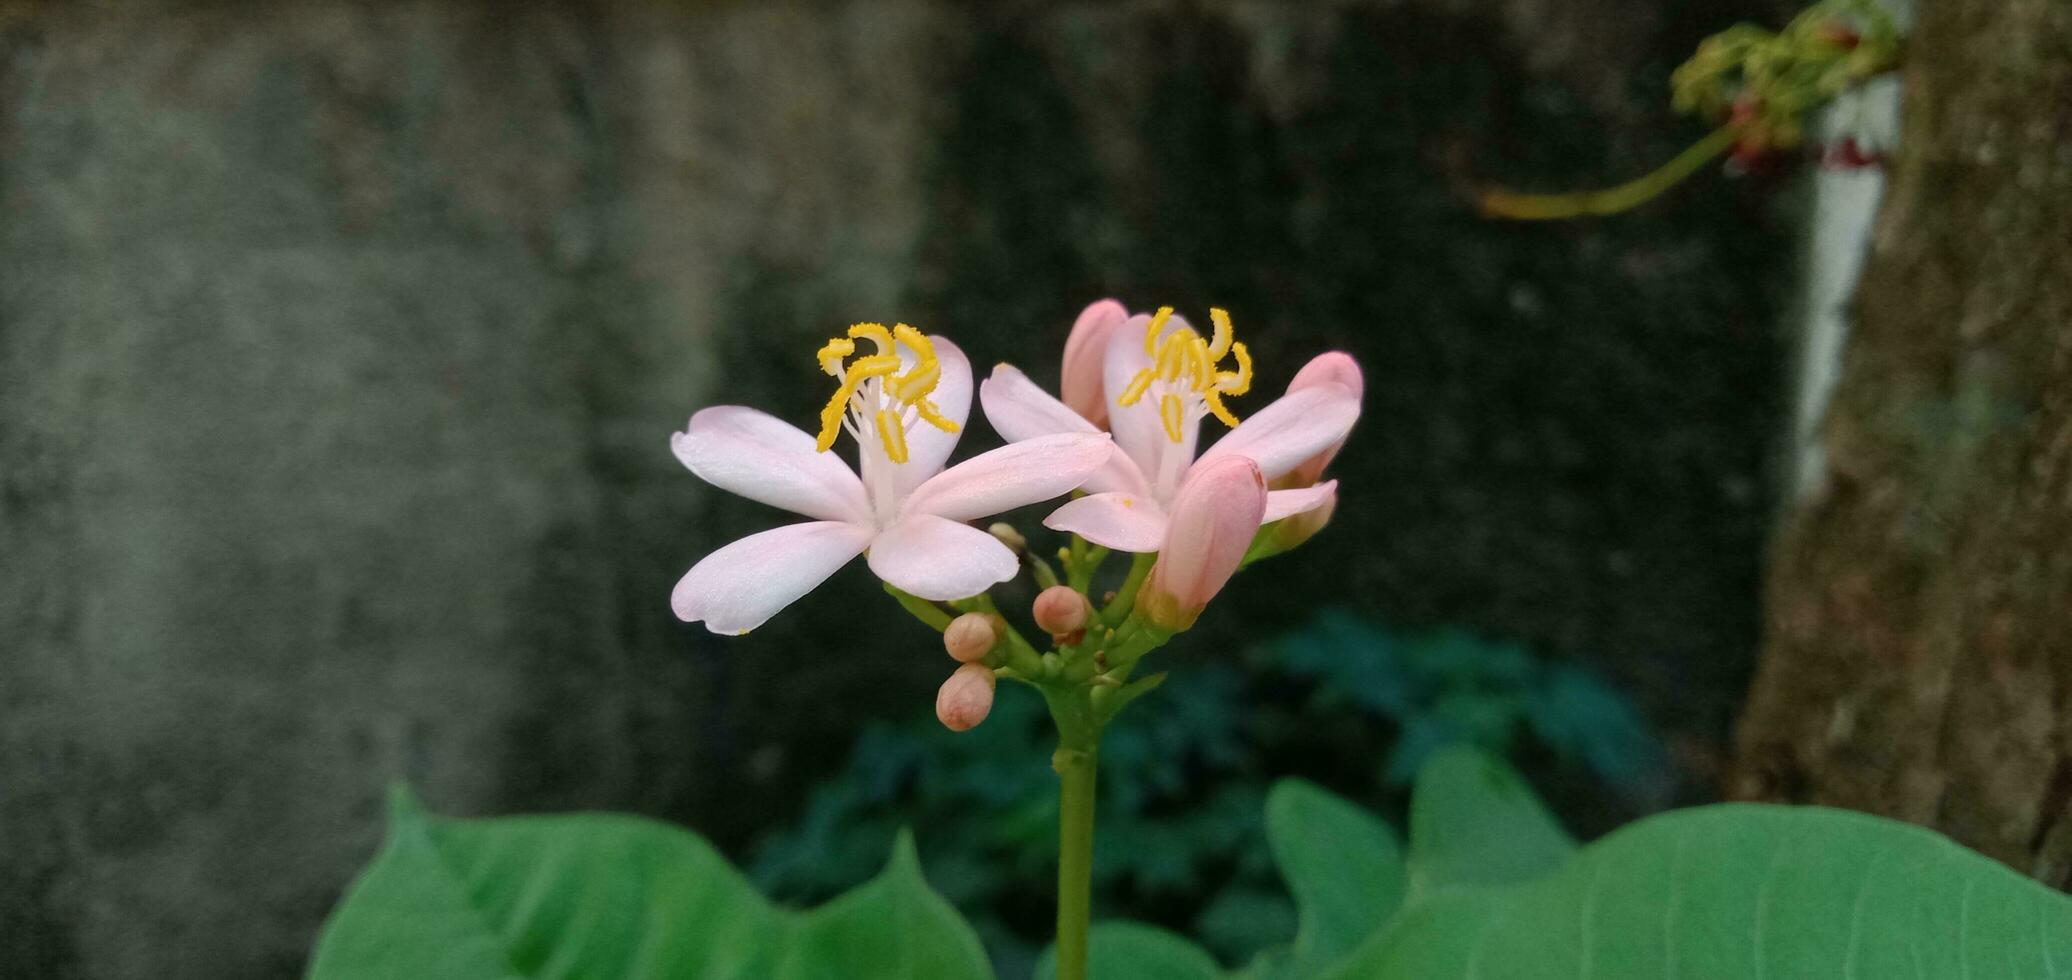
(1295, 427)
(739, 587)
(1136, 427)
(1329, 366)
(928, 447)
(768, 460)
(1011, 476)
(1080, 383)
(1122, 521)
(1283, 503)
(940, 559)
(1335, 365)
(1020, 410)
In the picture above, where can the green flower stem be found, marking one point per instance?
(922, 609)
(1126, 597)
(1625, 197)
(1085, 560)
(1079, 739)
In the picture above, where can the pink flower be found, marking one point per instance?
(905, 406)
(1214, 518)
(1160, 378)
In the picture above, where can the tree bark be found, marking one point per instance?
(1918, 649)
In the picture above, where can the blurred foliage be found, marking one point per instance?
(1184, 778)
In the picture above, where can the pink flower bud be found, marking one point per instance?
(1327, 368)
(969, 637)
(1061, 610)
(1080, 386)
(966, 698)
(1214, 518)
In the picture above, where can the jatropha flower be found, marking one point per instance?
(1159, 378)
(904, 403)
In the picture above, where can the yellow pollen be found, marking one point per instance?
(900, 390)
(1187, 363)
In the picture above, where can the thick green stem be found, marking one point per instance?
(1075, 768)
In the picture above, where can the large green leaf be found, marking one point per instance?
(602, 896)
(1129, 951)
(1473, 821)
(1341, 865)
(892, 927)
(1735, 892)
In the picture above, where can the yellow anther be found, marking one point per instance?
(833, 353)
(1172, 413)
(1151, 330)
(892, 433)
(1135, 391)
(1185, 362)
(1240, 381)
(897, 391)
(1221, 344)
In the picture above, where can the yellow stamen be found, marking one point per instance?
(892, 433)
(901, 390)
(1152, 329)
(1172, 413)
(1186, 362)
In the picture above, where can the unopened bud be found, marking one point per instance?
(1215, 515)
(966, 698)
(1005, 533)
(1060, 610)
(1080, 385)
(969, 637)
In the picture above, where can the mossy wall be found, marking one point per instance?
(340, 344)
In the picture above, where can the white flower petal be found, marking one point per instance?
(928, 447)
(1020, 410)
(1295, 427)
(940, 559)
(739, 587)
(771, 461)
(1122, 521)
(1011, 476)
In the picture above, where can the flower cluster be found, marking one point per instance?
(1124, 437)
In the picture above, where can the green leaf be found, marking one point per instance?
(1129, 951)
(1342, 866)
(1739, 891)
(892, 926)
(1473, 821)
(409, 915)
(598, 895)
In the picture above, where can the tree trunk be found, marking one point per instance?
(1918, 655)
